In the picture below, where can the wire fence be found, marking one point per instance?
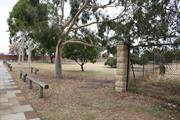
(149, 64)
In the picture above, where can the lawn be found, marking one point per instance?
(90, 95)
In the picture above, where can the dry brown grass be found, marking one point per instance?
(86, 96)
(165, 88)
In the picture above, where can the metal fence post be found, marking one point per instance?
(30, 84)
(40, 92)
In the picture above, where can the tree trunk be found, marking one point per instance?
(29, 58)
(51, 58)
(23, 55)
(19, 57)
(58, 64)
(82, 67)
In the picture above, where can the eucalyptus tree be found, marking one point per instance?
(19, 41)
(21, 47)
(30, 47)
(80, 54)
(72, 24)
(145, 22)
(47, 36)
(13, 48)
(23, 19)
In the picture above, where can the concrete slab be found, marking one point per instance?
(11, 99)
(22, 108)
(17, 116)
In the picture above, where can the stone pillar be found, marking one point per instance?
(122, 62)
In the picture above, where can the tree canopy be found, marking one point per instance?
(25, 17)
(81, 54)
(76, 21)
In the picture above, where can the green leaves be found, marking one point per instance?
(74, 6)
(146, 20)
(111, 61)
(80, 53)
(26, 16)
(23, 14)
(85, 17)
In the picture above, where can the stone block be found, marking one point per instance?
(121, 78)
(122, 54)
(11, 94)
(122, 72)
(35, 119)
(13, 91)
(4, 99)
(122, 66)
(121, 59)
(120, 89)
(17, 116)
(22, 108)
(120, 83)
(122, 47)
(4, 112)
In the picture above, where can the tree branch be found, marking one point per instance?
(62, 10)
(68, 22)
(77, 62)
(101, 6)
(72, 22)
(76, 41)
(97, 22)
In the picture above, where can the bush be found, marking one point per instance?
(111, 61)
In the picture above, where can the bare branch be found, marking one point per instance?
(94, 7)
(97, 7)
(97, 22)
(62, 10)
(72, 22)
(68, 22)
(77, 62)
(102, 6)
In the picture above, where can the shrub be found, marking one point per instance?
(111, 61)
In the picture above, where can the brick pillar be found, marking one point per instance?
(121, 73)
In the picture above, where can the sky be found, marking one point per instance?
(5, 8)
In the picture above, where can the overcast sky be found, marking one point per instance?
(5, 8)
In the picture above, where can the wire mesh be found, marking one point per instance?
(153, 64)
